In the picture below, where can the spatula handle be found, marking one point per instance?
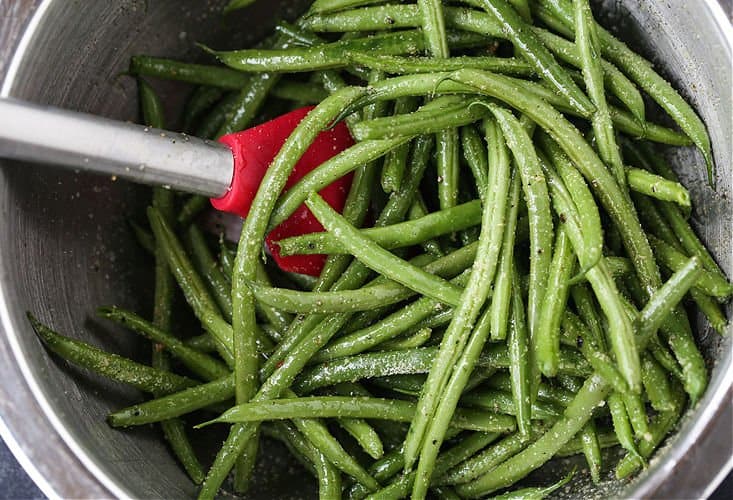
(95, 144)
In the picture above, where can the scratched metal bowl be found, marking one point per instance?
(65, 248)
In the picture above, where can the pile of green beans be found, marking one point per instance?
(520, 293)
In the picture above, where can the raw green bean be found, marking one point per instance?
(656, 384)
(443, 386)
(592, 450)
(621, 334)
(395, 162)
(520, 360)
(537, 198)
(203, 365)
(547, 335)
(438, 115)
(535, 493)
(475, 154)
(192, 285)
(356, 407)
(332, 55)
(642, 72)
(199, 74)
(485, 461)
(118, 368)
(323, 6)
(593, 392)
(410, 65)
(662, 424)
(209, 270)
(330, 170)
(502, 294)
(657, 187)
(379, 259)
(191, 209)
(404, 234)
(710, 283)
(588, 44)
(201, 100)
(175, 404)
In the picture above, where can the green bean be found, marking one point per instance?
(502, 295)
(307, 93)
(144, 238)
(642, 72)
(317, 433)
(532, 49)
(586, 39)
(410, 65)
(209, 125)
(552, 393)
(485, 461)
(175, 404)
(358, 428)
(379, 259)
(615, 81)
(575, 330)
(118, 368)
(330, 170)
(233, 5)
(454, 113)
(387, 328)
(430, 83)
(504, 402)
(201, 100)
(331, 55)
(209, 269)
(656, 384)
(534, 493)
(520, 360)
(592, 450)
(193, 287)
(395, 236)
(191, 209)
(415, 340)
(664, 300)
(593, 392)
(433, 27)
(522, 8)
(711, 309)
(199, 74)
(709, 283)
(547, 337)
(201, 364)
(447, 160)
(247, 104)
(442, 389)
(474, 152)
(203, 343)
(275, 316)
(395, 162)
(355, 407)
(657, 187)
(323, 6)
(538, 201)
(687, 237)
(621, 334)
(662, 424)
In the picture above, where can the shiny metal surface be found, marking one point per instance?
(89, 143)
(64, 248)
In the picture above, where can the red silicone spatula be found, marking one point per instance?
(229, 171)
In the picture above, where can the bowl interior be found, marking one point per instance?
(65, 246)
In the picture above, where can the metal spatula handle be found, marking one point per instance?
(95, 144)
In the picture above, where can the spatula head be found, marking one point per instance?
(253, 151)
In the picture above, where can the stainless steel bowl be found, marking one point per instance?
(64, 247)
